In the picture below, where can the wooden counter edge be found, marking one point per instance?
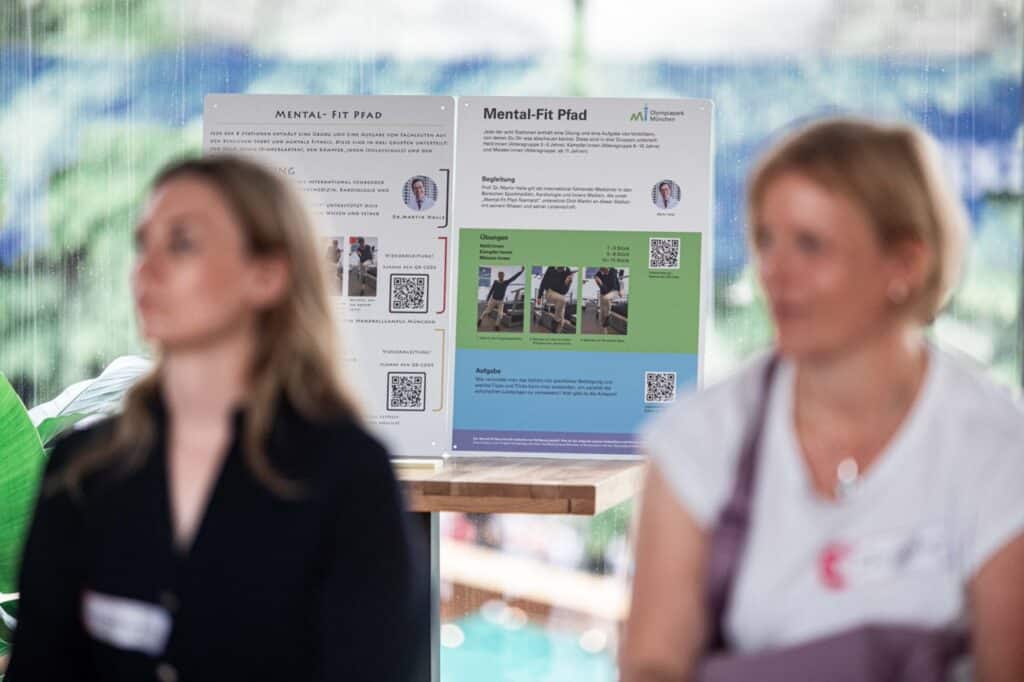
(502, 497)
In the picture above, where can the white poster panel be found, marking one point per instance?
(377, 172)
(583, 269)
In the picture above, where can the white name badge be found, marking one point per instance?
(126, 623)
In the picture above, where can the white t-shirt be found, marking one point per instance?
(945, 495)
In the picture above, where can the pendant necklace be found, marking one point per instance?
(847, 474)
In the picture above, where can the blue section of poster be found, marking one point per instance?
(583, 402)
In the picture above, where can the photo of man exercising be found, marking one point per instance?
(554, 288)
(496, 298)
(362, 278)
(610, 289)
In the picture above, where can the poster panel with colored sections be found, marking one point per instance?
(377, 173)
(583, 233)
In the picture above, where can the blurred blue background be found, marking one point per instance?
(95, 95)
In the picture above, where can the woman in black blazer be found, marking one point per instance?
(235, 522)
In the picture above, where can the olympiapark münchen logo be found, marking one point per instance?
(648, 115)
(642, 115)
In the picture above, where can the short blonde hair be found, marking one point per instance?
(892, 173)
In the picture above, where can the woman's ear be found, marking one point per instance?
(911, 261)
(269, 278)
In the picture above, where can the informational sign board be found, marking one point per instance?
(557, 304)
(583, 269)
(377, 172)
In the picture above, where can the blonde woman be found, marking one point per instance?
(236, 521)
(889, 479)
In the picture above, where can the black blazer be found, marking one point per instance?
(325, 587)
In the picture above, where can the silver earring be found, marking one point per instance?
(898, 291)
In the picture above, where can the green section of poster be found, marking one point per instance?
(579, 290)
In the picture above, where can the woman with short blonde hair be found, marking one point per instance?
(893, 174)
(857, 484)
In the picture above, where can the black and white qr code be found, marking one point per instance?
(664, 253)
(406, 391)
(659, 387)
(408, 293)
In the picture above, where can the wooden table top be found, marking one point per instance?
(521, 485)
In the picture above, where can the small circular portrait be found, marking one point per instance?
(419, 192)
(665, 194)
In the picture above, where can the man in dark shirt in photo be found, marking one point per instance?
(496, 298)
(611, 288)
(553, 289)
(365, 253)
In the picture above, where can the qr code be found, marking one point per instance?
(659, 387)
(406, 391)
(664, 254)
(408, 294)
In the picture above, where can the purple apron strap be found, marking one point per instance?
(729, 535)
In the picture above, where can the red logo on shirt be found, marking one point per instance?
(829, 569)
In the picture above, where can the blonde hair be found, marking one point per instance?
(296, 347)
(892, 173)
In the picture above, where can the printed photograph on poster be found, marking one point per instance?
(419, 193)
(501, 298)
(334, 262)
(362, 270)
(665, 194)
(606, 301)
(555, 305)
